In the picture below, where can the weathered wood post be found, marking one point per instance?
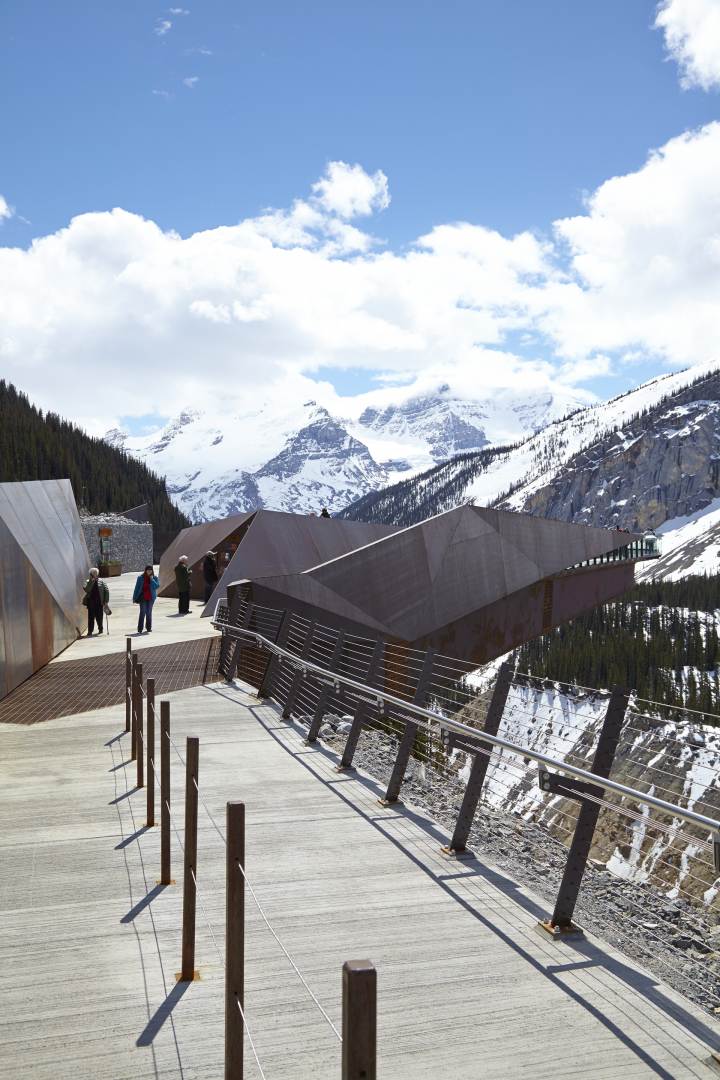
(359, 1020)
(234, 940)
(165, 878)
(128, 682)
(411, 728)
(150, 754)
(192, 755)
(139, 745)
(133, 707)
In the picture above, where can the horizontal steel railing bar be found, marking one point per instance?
(373, 695)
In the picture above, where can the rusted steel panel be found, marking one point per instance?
(472, 582)
(43, 563)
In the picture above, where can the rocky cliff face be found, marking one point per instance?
(662, 465)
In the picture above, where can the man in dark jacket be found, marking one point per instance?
(182, 580)
(210, 574)
(97, 595)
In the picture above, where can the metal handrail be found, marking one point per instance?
(375, 695)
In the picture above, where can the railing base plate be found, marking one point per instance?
(344, 768)
(389, 802)
(559, 933)
(172, 881)
(196, 977)
(451, 853)
(714, 1060)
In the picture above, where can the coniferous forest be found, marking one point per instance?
(660, 640)
(42, 446)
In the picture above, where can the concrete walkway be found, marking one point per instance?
(168, 626)
(467, 989)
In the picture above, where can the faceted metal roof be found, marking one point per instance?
(43, 563)
(195, 542)
(278, 543)
(435, 574)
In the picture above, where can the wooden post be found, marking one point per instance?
(234, 940)
(128, 682)
(139, 745)
(133, 707)
(359, 1020)
(192, 755)
(150, 755)
(165, 878)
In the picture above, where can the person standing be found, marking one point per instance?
(182, 580)
(324, 513)
(146, 588)
(210, 574)
(97, 595)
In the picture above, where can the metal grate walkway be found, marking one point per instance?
(78, 686)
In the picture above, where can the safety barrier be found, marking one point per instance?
(359, 990)
(433, 710)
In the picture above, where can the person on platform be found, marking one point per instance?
(146, 588)
(182, 580)
(324, 512)
(97, 595)
(210, 574)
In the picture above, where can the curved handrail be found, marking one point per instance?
(374, 696)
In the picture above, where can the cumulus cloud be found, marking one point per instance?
(348, 191)
(162, 27)
(645, 260)
(275, 298)
(191, 81)
(5, 210)
(692, 39)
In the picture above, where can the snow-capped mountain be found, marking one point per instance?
(300, 457)
(647, 459)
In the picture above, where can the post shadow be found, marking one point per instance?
(143, 903)
(151, 1029)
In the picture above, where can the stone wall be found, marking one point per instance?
(131, 542)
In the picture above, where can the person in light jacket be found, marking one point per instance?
(182, 580)
(97, 595)
(146, 588)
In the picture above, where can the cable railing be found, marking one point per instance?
(580, 773)
(359, 981)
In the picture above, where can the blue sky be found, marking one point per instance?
(504, 115)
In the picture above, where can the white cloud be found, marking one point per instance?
(162, 26)
(178, 11)
(5, 210)
(692, 39)
(191, 81)
(198, 51)
(645, 260)
(276, 297)
(165, 94)
(348, 191)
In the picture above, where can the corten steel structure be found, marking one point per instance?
(472, 582)
(222, 536)
(262, 542)
(43, 563)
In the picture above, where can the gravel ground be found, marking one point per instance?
(677, 942)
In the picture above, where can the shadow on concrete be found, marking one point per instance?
(595, 956)
(151, 1029)
(133, 836)
(143, 903)
(125, 795)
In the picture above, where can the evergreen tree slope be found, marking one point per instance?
(42, 446)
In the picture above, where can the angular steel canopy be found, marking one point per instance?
(262, 542)
(43, 563)
(472, 582)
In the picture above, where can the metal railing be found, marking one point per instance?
(359, 979)
(433, 709)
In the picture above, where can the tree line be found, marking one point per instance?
(660, 640)
(42, 446)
